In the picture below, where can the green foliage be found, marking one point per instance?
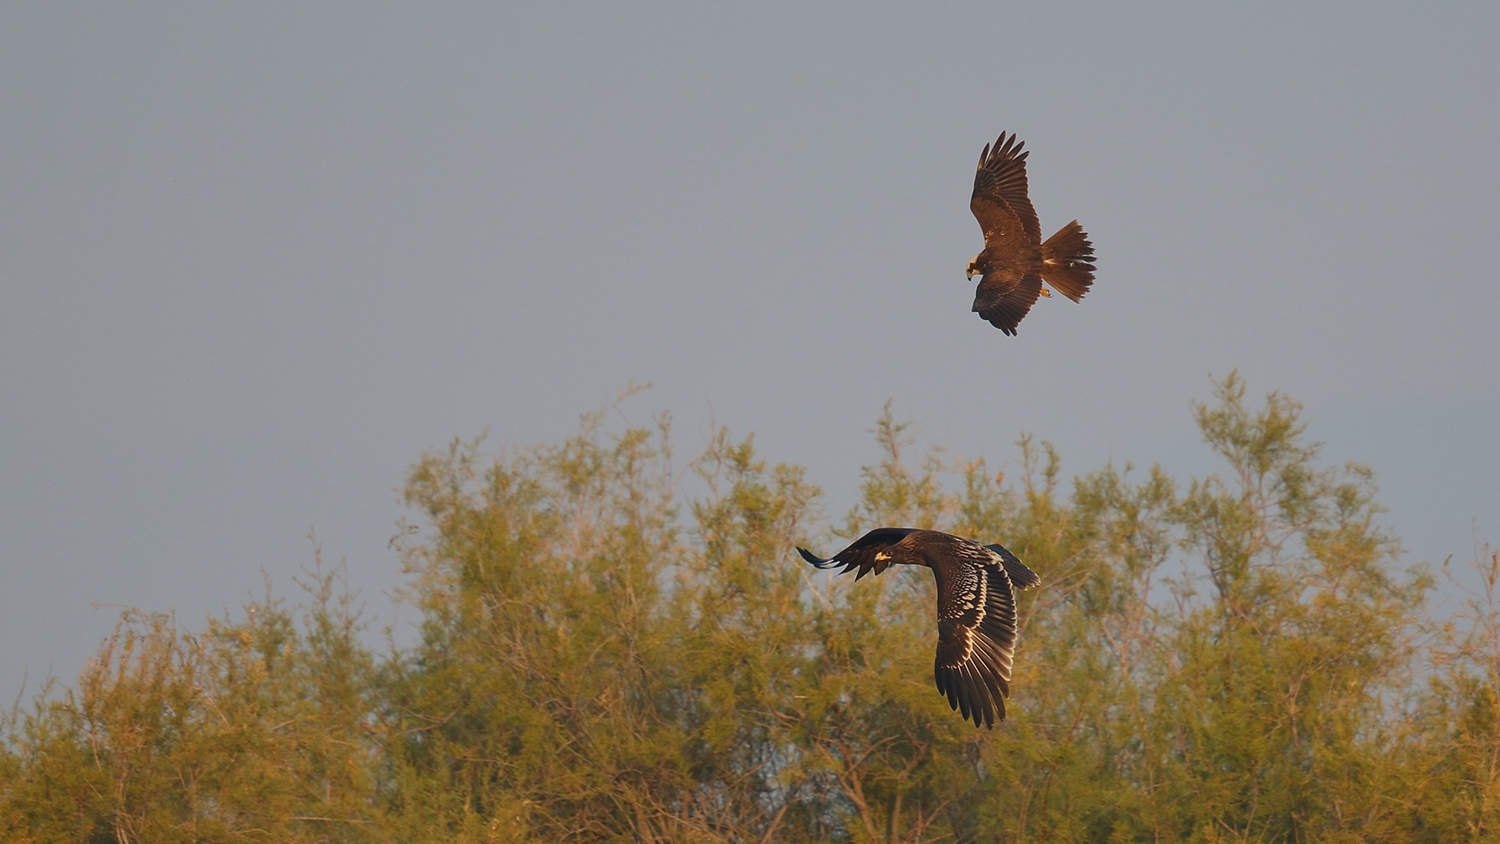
(253, 729)
(615, 648)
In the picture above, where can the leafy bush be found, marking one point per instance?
(613, 648)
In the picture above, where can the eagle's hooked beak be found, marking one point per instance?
(973, 267)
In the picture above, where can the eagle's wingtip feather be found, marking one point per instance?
(817, 561)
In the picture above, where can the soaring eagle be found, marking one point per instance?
(1015, 261)
(976, 608)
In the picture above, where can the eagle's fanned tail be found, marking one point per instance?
(1068, 261)
(1021, 576)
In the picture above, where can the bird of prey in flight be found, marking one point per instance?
(1015, 261)
(976, 608)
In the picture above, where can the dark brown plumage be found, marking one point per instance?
(1015, 261)
(976, 607)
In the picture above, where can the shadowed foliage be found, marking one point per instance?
(617, 647)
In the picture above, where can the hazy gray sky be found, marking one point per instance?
(255, 259)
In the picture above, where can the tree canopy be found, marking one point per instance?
(614, 646)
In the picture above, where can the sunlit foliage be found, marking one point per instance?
(616, 646)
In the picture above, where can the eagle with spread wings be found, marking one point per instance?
(976, 608)
(1015, 261)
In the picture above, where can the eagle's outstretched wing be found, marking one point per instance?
(977, 636)
(1011, 260)
(1000, 202)
(1004, 297)
(863, 553)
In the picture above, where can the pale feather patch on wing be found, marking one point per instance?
(972, 669)
(976, 638)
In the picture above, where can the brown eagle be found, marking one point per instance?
(1015, 261)
(976, 608)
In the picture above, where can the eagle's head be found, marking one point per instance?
(974, 266)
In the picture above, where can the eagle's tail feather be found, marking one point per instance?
(1068, 261)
